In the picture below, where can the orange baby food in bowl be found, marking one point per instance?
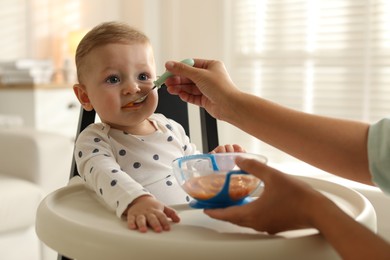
(214, 180)
(206, 187)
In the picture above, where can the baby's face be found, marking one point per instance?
(114, 75)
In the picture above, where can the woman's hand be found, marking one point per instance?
(206, 84)
(285, 204)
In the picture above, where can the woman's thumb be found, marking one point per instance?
(252, 166)
(179, 68)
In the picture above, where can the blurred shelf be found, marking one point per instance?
(52, 107)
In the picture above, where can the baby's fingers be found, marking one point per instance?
(157, 220)
(157, 223)
(238, 149)
(137, 222)
(142, 222)
(222, 149)
(172, 214)
(228, 148)
(131, 222)
(163, 221)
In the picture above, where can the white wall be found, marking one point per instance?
(192, 29)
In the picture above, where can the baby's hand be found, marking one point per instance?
(147, 211)
(228, 148)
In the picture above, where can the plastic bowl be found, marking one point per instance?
(214, 180)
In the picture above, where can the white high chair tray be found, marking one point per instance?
(74, 223)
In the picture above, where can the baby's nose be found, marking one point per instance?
(130, 88)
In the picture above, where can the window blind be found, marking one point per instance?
(329, 57)
(36, 28)
(13, 27)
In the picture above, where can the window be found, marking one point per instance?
(13, 28)
(329, 57)
(37, 28)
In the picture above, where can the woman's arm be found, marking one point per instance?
(334, 145)
(349, 238)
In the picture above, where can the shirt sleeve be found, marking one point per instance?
(379, 153)
(97, 165)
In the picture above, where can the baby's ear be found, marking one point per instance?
(82, 96)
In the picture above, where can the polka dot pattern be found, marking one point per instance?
(137, 165)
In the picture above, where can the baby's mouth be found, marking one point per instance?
(133, 103)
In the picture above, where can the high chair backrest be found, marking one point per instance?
(172, 107)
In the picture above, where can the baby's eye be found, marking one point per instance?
(143, 76)
(113, 80)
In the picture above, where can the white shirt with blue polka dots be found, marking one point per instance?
(120, 167)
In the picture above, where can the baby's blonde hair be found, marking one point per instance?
(106, 33)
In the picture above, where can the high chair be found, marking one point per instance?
(173, 108)
(74, 223)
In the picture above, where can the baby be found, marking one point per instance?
(126, 159)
